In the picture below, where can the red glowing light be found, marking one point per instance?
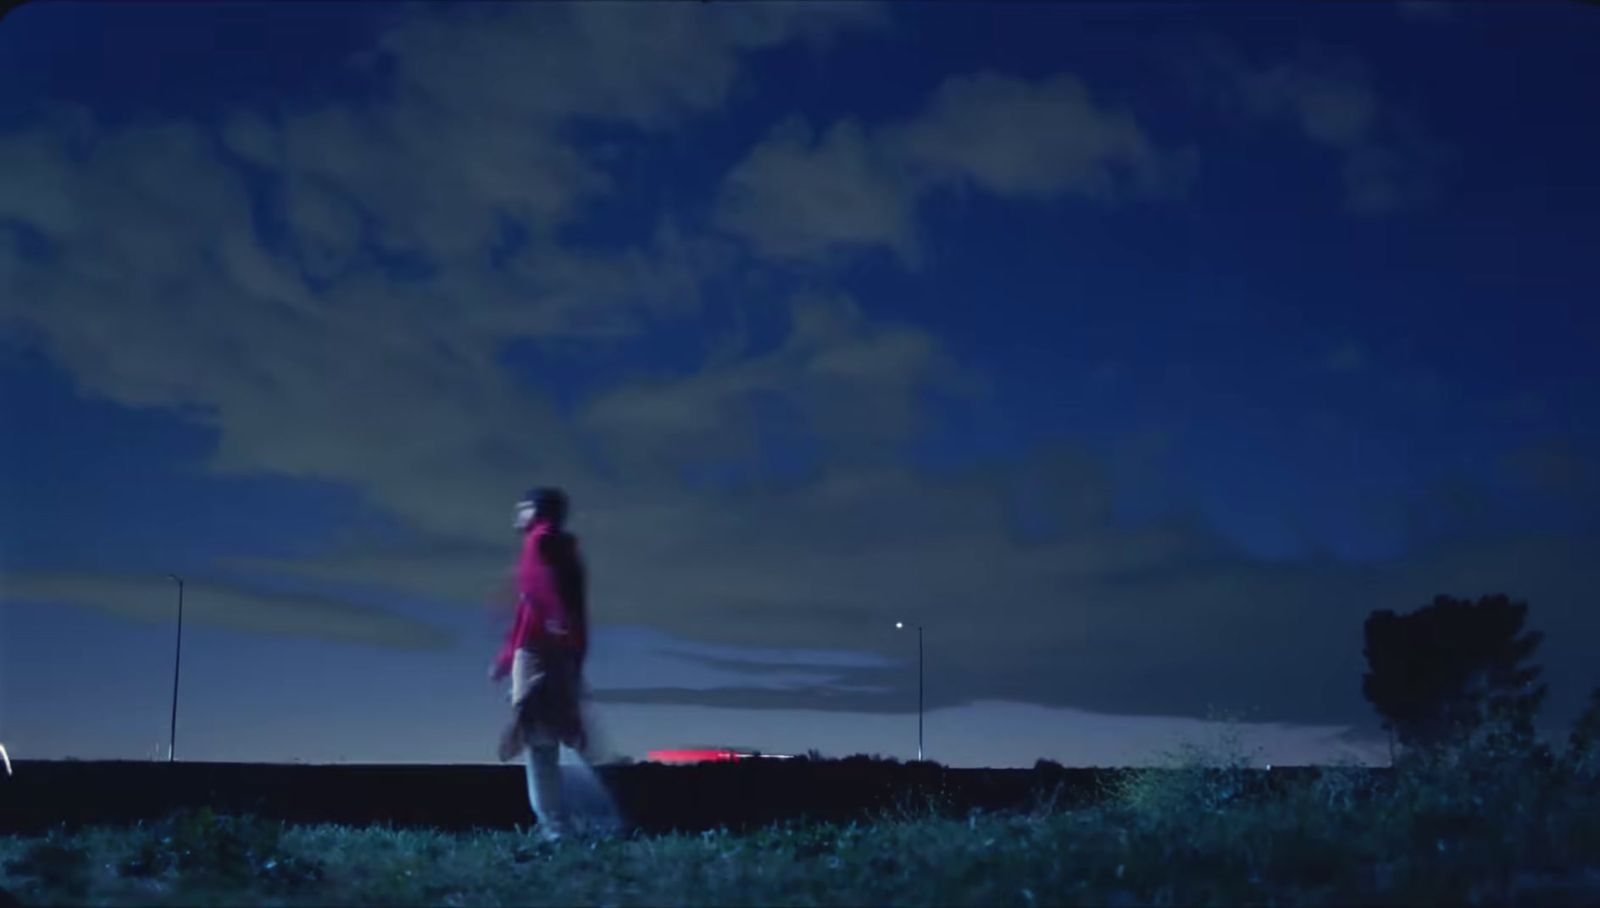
(695, 756)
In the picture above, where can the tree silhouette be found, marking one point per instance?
(1437, 674)
(1583, 744)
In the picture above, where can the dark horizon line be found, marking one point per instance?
(632, 762)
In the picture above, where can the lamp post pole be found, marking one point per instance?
(177, 662)
(902, 624)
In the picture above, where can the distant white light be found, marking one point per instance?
(899, 624)
(6, 757)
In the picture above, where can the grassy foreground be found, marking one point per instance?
(1494, 823)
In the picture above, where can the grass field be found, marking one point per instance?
(1488, 824)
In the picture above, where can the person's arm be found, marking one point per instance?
(508, 650)
(581, 598)
(580, 607)
(572, 587)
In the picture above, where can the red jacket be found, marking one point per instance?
(551, 606)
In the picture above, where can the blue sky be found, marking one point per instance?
(1139, 353)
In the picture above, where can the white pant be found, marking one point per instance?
(544, 783)
(525, 672)
(543, 753)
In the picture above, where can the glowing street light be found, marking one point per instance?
(901, 625)
(177, 661)
(7, 758)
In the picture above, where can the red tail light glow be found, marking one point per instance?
(695, 756)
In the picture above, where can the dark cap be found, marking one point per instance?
(549, 504)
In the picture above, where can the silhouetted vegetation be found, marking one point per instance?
(1439, 673)
(1485, 821)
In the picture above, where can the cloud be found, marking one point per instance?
(1390, 161)
(631, 659)
(814, 696)
(801, 196)
(1395, 173)
(796, 196)
(299, 342)
(1074, 609)
(650, 67)
(849, 382)
(1034, 140)
(465, 574)
(473, 124)
(161, 289)
(1346, 358)
(225, 605)
(311, 360)
(1148, 619)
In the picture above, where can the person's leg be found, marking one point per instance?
(544, 783)
(529, 691)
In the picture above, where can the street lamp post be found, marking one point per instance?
(902, 624)
(177, 662)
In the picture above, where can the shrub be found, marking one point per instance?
(201, 844)
(57, 864)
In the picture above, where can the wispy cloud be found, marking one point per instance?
(1389, 160)
(224, 605)
(807, 196)
(1346, 358)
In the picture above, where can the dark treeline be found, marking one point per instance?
(652, 797)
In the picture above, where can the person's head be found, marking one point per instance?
(546, 505)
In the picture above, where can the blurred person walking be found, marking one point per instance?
(543, 654)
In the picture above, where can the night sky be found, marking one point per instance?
(1137, 351)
